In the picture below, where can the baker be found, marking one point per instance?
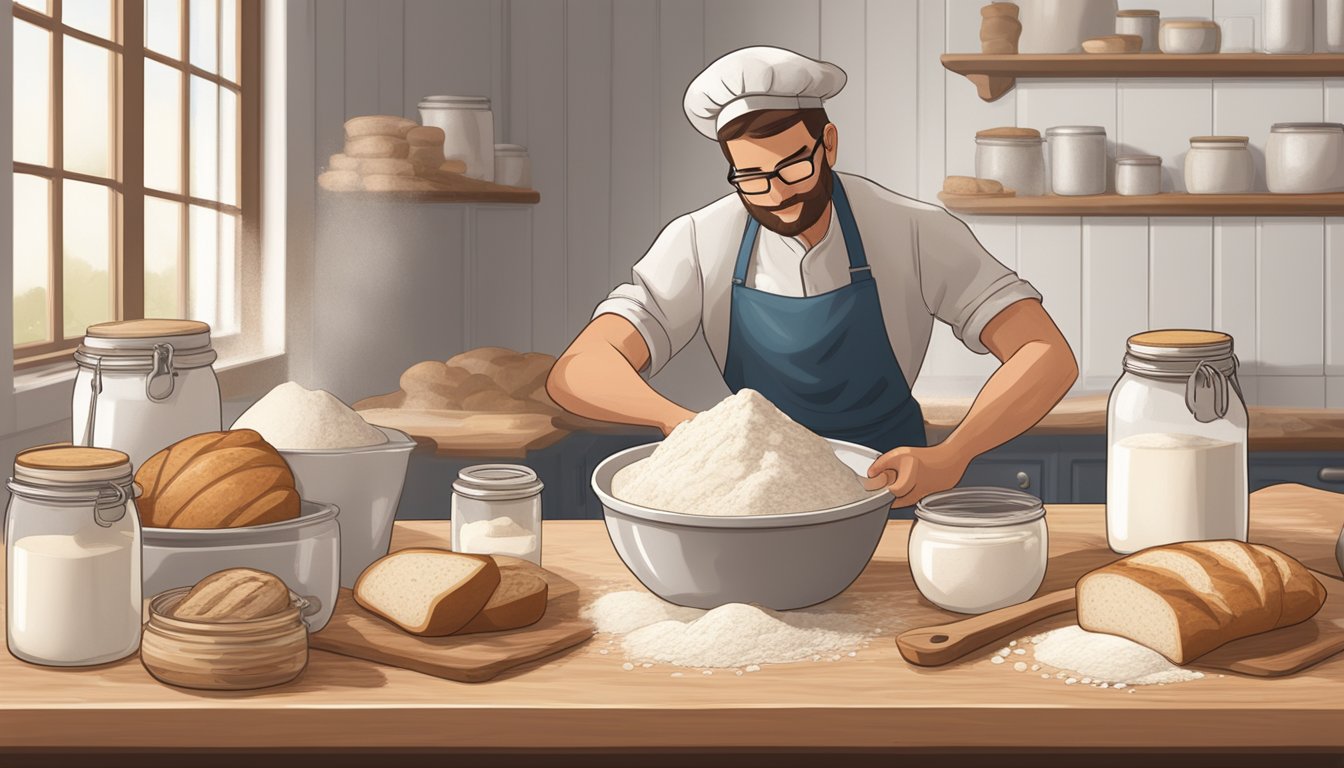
(818, 289)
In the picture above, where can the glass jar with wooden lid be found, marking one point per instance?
(1144, 23)
(1219, 165)
(1012, 156)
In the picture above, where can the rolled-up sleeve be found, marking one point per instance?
(665, 296)
(963, 285)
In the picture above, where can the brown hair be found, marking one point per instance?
(769, 122)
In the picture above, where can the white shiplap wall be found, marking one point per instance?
(593, 89)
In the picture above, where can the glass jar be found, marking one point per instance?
(1289, 26)
(1305, 158)
(1219, 165)
(72, 554)
(468, 131)
(1145, 24)
(497, 511)
(1138, 175)
(1190, 37)
(1176, 443)
(1013, 157)
(1077, 159)
(143, 385)
(512, 166)
(973, 550)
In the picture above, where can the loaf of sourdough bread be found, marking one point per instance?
(1184, 600)
(216, 480)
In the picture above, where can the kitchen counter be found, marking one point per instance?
(584, 701)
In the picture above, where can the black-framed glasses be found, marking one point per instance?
(792, 173)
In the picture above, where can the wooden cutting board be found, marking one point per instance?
(1269, 654)
(355, 632)
(472, 434)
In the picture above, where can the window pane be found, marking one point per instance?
(204, 138)
(163, 27)
(92, 16)
(32, 252)
(228, 146)
(202, 34)
(229, 274)
(36, 5)
(228, 39)
(203, 266)
(88, 108)
(32, 94)
(163, 127)
(86, 256)
(163, 246)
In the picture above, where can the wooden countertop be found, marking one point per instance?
(585, 700)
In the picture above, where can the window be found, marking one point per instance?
(136, 166)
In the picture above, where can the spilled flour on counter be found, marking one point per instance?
(1098, 660)
(742, 457)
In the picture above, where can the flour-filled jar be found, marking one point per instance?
(1176, 430)
(497, 511)
(143, 385)
(72, 556)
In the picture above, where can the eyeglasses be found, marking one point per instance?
(759, 183)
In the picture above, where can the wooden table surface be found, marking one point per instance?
(586, 700)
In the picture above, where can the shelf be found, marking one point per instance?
(1166, 204)
(452, 188)
(995, 74)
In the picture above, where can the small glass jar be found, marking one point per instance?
(468, 131)
(1138, 175)
(1289, 26)
(973, 550)
(497, 511)
(1305, 158)
(1145, 24)
(142, 385)
(1176, 434)
(72, 554)
(1013, 157)
(512, 166)
(1219, 165)
(1190, 37)
(1077, 159)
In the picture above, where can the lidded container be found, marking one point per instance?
(1303, 158)
(1013, 157)
(973, 550)
(1289, 26)
(512, 165)
(1077, 159)
(1176, 433)
(143, 385)
(1219, 165)
(1190, 37)
(72, 557)
(1143, 23)
(1138, 175)
(468, 131)
(497, 511)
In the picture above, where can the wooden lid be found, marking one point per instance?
(1179, 338)
(63, 456)
(1220, 139)
(1136, 12)
(1008, 132)
(1183, 24)
(146, 329)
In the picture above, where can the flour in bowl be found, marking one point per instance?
(742, 457)
(291, 417)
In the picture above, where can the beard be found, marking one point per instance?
(814, 206)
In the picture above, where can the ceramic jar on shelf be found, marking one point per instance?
(1219, 165)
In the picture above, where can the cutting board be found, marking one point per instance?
(476, 658)
(472, 434)
(1269, 654)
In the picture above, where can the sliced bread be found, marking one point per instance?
(519, 600)
(428, 592)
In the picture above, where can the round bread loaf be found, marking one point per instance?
(376, 146)
(340, 181)
(238, 594)
(378, 125)
(216, 480)
(386, 166)
(426, 136)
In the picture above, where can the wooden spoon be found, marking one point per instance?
(945, 643)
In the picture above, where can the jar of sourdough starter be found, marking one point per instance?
(497, 511)
(143, 385)
(72, 556)
(1176, 434)
(973, 550)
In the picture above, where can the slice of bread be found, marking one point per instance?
(519, 600)
(428, 592)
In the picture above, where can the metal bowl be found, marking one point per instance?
(778, 561)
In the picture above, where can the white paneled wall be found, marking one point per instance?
(593, 88)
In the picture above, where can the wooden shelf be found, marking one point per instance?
(1166, 204)
(995, 74)
(452, 188)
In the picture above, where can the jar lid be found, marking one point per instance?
(517, 149)
(1178, 353)
(1219, 139)
(1008, 132)
(456, 102)
(1190, 24)
(1307, 128)
(497, 481)
(980, 507)
(1136, 12)
(66, 464)
(1076, 130)
(1138, 160)
(1180, 338)
(149, 328)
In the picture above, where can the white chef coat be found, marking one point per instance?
(926, 263)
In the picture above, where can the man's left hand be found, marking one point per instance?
(913, 473)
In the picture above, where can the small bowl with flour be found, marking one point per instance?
(338, 457)
(743, 505)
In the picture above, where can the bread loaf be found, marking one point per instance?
(378, 125)
(238, 594)
(426, 158)
(426, 136)
(453, 166)
(376, 146)
(216, 480)
(386, 166)
(1184, 600)
(342, 162)
(384, 183)
(340, 181)
(428, 592)
(519, 600)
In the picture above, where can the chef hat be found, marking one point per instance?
(757, 78)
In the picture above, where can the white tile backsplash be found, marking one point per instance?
(1234, 304)
(1292, 392)
(1180, 259)
(1115, 294)
(1290, 303)
(1334, 297)
(1334, 392)
(1049, 256)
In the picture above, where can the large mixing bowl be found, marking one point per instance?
(778, 561)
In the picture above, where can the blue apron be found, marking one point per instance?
(824, 360)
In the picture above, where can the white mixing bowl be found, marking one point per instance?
(778, 561)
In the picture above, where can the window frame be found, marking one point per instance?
(126, 267)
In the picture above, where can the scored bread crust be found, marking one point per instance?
(1303, 593)
(451, 609)
(217, 480)
(525, 609)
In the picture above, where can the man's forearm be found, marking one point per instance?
(1019, 394)
(594, 379)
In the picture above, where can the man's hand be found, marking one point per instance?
(675, 418)
(913, 473)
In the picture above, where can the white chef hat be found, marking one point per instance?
(757, 78)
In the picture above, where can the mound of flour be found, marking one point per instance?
(742, 457)
(290, 417)
(1100, 658)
